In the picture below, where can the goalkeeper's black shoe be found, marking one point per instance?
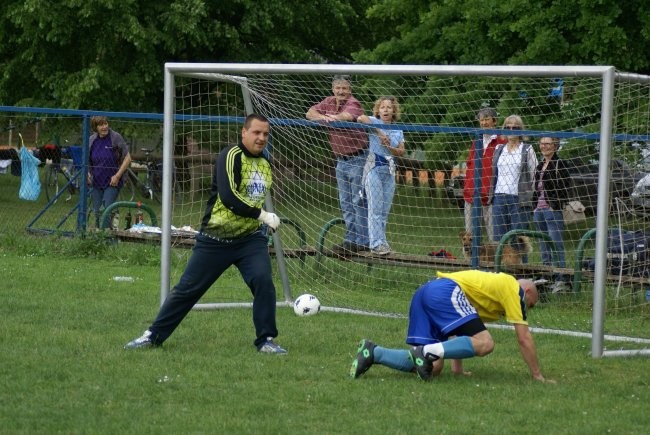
(423, 364)
(365, 358)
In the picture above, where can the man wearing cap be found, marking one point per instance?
(350, 146)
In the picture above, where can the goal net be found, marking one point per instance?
(598, 119)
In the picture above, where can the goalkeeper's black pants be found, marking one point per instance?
(209, 259)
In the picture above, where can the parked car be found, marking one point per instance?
(622, 181)
(640, 197)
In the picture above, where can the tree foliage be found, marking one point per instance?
(498, 32)
(109, 54)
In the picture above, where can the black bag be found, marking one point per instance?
(627, 253)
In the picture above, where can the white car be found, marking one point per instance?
(640, 197)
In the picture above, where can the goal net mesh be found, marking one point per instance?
(439, 123)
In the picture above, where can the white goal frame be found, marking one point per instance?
(607, 74)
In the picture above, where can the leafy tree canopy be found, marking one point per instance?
(109, 54)
(497, 32)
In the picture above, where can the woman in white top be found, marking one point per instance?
(513, 167)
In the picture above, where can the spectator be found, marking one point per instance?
(350, 148)
(109, 160)
(511, 191)
(487, 118)
(379, 171)
(231, 234)
(553, 186)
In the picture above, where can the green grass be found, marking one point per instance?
(63, 322)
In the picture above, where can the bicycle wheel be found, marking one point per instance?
(54, 180)
(127, 192)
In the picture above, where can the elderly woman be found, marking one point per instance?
(553, 187)
(109, 160)
(513, 169)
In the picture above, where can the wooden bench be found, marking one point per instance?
(186, 239)
(187, 242)
(520, 270)
(398, 259)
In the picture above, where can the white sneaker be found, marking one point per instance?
(381, 250)
(271, 347)
(559, 287)
(141, 342)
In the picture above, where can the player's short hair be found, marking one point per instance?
(514, 119)
(96, 121)
(487, 112)
(555, 140)
(341, 78)
(254, 116)
(396, 108)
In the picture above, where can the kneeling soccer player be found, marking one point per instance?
(446, 320)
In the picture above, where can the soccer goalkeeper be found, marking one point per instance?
(231, 234)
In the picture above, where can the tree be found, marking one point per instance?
(109, 54)
(498, 32)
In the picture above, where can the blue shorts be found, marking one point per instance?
(437, 308)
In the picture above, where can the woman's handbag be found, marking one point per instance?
(573, 213)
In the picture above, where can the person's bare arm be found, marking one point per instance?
(529, 352)
(457, 368)
(396, 151)
(115, 179)
(346, 116)
(315, 115)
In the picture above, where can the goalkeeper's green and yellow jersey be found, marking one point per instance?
(240, 182)
(494, 295)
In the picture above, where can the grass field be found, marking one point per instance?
(63, 322)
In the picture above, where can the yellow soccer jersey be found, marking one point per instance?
(494, 295)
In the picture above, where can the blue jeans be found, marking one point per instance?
(353, 206)
(508, 215)
(551, 222)
(210, 258)
(103, 197)
(380, 189)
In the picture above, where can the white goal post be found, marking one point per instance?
(370, 82)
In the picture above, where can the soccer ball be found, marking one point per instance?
(306, 305)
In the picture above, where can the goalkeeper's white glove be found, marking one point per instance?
(270, 219)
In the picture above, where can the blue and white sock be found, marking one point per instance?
(397, 359)
(456, 348)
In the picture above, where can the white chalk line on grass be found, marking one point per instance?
(500, 326)
(616, 338)
(576, 334)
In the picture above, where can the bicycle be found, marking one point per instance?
(151, 187)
